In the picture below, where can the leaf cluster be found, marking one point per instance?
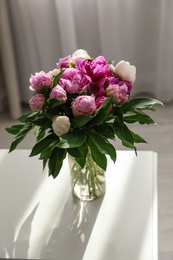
(92, 133)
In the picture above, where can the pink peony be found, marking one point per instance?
(96, 71)
(61, 125)
(73, 81)
(40, 80)
(126, 71)
(100, 101)
(36, 102)
(116, 81)
(84, 105)
(58, 92)
(120, 93)
(64, 62)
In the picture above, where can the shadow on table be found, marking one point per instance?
(21, 245)
(22, 241)
(71, 234)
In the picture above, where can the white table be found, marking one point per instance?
(40, 219)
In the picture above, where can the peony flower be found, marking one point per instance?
(126, 71)
(117, 81)
(63, 62)
(58, 92)
(36, 102)
(119, 92)
(40, 80)
(61, 125)
(79, 54)
(73, 81)
(84, 105)
(96, 71)
(100, 101)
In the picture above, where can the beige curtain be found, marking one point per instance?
(7, 61)
(3, 96)
(134, 30)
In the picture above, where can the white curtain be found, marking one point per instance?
(138, 31)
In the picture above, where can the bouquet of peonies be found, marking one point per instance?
(81, 106)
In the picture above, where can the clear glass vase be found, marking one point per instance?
(88, 183)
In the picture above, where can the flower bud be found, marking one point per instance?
(79, 54)
(126, 71)
(36, 102)
(40, 80)
(61, 125)
(119, 93)
(59, 93)
(84, 105)
(63, 62)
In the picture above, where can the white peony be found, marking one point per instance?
(54, 72)
(126, 71)
(79, 54)
(61, 125)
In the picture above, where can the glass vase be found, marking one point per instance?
(88, 183)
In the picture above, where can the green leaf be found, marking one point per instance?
(57, 78)
(99, 158)
(20, 136)
(41, 134)
(72, 139)
(103, 145)
(104, 130)
(75, 152)
(45, 161)
(56, 161)
(80, 121)
(117, 112)
(54, 102)
(81, 161)
(15, 129)
(49, 115)
(24, 117)
(43, 144)
(66, 108)
(137, 138)
(83, 150)
(46, 152)
(39, 119)
(124, 134)
(140, 103)
(141, 118)
(103, 112)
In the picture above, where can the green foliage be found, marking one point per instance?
(71, 140)
(103, 145)
(87, 132)
(103, 112)
(20, 135)
(55, 161)
(45, 143)
(98, 156)
(57, 78)
(140, 104)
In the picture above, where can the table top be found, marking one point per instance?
(40, 219)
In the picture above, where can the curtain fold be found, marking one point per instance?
(140, 32)
(8, 63)
(3, 96)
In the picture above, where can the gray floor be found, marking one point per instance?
(160, 140)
